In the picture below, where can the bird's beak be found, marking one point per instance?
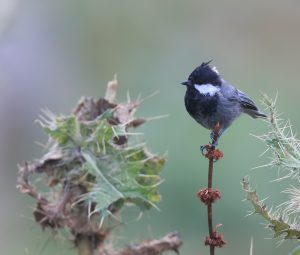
(186, 83)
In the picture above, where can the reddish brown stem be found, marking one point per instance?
(208, 195)
(209, 185)
(209, 206)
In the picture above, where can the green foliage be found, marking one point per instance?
(296, 251)
(277, 221)
(284, 148)
(125, 173)
(281, 142)
(118, 179)
(93, 167)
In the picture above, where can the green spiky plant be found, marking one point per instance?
(93, 167)
(284, 149)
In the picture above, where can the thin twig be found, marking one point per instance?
(170, 242)
(208, 195)
(85, 247)
(209, 185)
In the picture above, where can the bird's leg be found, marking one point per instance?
(212, 136)
(209, 150)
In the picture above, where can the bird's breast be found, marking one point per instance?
(200, 105)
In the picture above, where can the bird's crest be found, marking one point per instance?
(204, 64)
(204, 74)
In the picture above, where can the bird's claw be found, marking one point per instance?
(204, 149)
(214, 143)
(212, 134)
(209, 151)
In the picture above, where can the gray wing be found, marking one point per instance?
(238, 97)
(248, 106)
(246, 102)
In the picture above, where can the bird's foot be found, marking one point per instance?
(209, 151)
(205, 149)
(212, 134)
(214, 143)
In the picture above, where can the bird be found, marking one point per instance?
(210, 100)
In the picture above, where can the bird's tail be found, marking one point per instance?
(255, 114)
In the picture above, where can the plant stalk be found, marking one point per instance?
(209, 185)
(84, 246)
(209, 206)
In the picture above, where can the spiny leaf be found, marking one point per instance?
(63, 129)
(104, 190)
(117, 180)
(278, 221)
(296, 251)
(281, 141)
(93, 167)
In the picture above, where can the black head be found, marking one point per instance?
(204, 74)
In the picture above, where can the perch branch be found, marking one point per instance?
(84, 247)
(208, 195)
(170, 242)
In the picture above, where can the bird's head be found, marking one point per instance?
(204, 74)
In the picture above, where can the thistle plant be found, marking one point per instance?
(284, 150)
(95, 165)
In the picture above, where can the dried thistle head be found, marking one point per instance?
(93, 167)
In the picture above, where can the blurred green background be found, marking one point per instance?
(52, 52)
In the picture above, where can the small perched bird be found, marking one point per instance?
(209, 99)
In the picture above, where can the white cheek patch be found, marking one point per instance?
(205, 89)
